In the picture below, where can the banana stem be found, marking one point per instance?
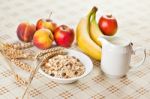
(93, 16)
(94, 10)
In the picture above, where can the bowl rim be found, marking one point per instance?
(87, 71)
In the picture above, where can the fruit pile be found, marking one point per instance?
(88, 32)
(44, 33)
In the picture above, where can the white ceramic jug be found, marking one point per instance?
(116, 56)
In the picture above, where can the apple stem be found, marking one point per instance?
(64, 27)
(50, 14)
(109, 15)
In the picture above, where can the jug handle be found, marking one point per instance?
(143, 58)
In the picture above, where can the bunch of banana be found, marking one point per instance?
(87, 34)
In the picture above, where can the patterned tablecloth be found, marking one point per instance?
(133, 19)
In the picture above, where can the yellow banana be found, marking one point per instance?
(85, 43)
(95, 32)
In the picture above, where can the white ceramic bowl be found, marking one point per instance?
(83, 58)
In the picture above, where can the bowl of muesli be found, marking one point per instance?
(67, 67)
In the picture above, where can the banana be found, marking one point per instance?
(84, 42)
(95, 32)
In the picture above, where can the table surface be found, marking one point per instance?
(133, 19)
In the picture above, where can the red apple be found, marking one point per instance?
(25, 31)
(108, 25)
(64, 36)
(47, 24)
